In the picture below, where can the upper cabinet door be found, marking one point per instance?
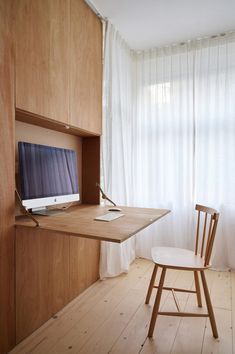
(85, 68)
(42, 57)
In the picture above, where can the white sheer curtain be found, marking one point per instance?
(116, 143)
(185, 133)
(215, 139)
(176, 138)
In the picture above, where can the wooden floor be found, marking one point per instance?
(111, 317)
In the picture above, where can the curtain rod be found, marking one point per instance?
(192, 41)
(94, 9)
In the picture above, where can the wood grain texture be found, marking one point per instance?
(51, 269)
(42, 57)
(79, 221)
(116, 306)
(42, 278)
(59, 63)
(84, 264)
(85, 68)
(7, 183)
(48, 123)
(90, 170)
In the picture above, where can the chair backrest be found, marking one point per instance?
(205, 235)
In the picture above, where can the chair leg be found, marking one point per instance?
(151, 284)
(197, 286)
(156, 304)
(209, 305)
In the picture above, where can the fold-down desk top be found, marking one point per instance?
(79, 221)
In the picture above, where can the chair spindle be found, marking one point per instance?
(198, 227)
(204, 234)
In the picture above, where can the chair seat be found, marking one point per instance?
(178, 258)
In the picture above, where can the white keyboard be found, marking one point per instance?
(110, 216)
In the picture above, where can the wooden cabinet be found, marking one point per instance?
(42, 57)
(85, 68)
(59, 62)
(42, 278)
(51, 269)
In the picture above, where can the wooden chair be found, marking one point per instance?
(182, 259)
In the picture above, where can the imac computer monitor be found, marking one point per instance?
(48, 176)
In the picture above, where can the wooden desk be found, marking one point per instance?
(79, 221)
(60, 259)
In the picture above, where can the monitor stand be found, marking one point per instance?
(46, 212)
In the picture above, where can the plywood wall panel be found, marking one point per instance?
(42, 57)
(51, 269)
(85, 68)
(60, 273)
(7, 266)
(59, 62)
(84, 264)
(42, 277)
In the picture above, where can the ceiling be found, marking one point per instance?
(154, 23)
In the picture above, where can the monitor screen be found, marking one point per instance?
(47, 172)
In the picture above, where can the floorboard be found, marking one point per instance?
(111, 317)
